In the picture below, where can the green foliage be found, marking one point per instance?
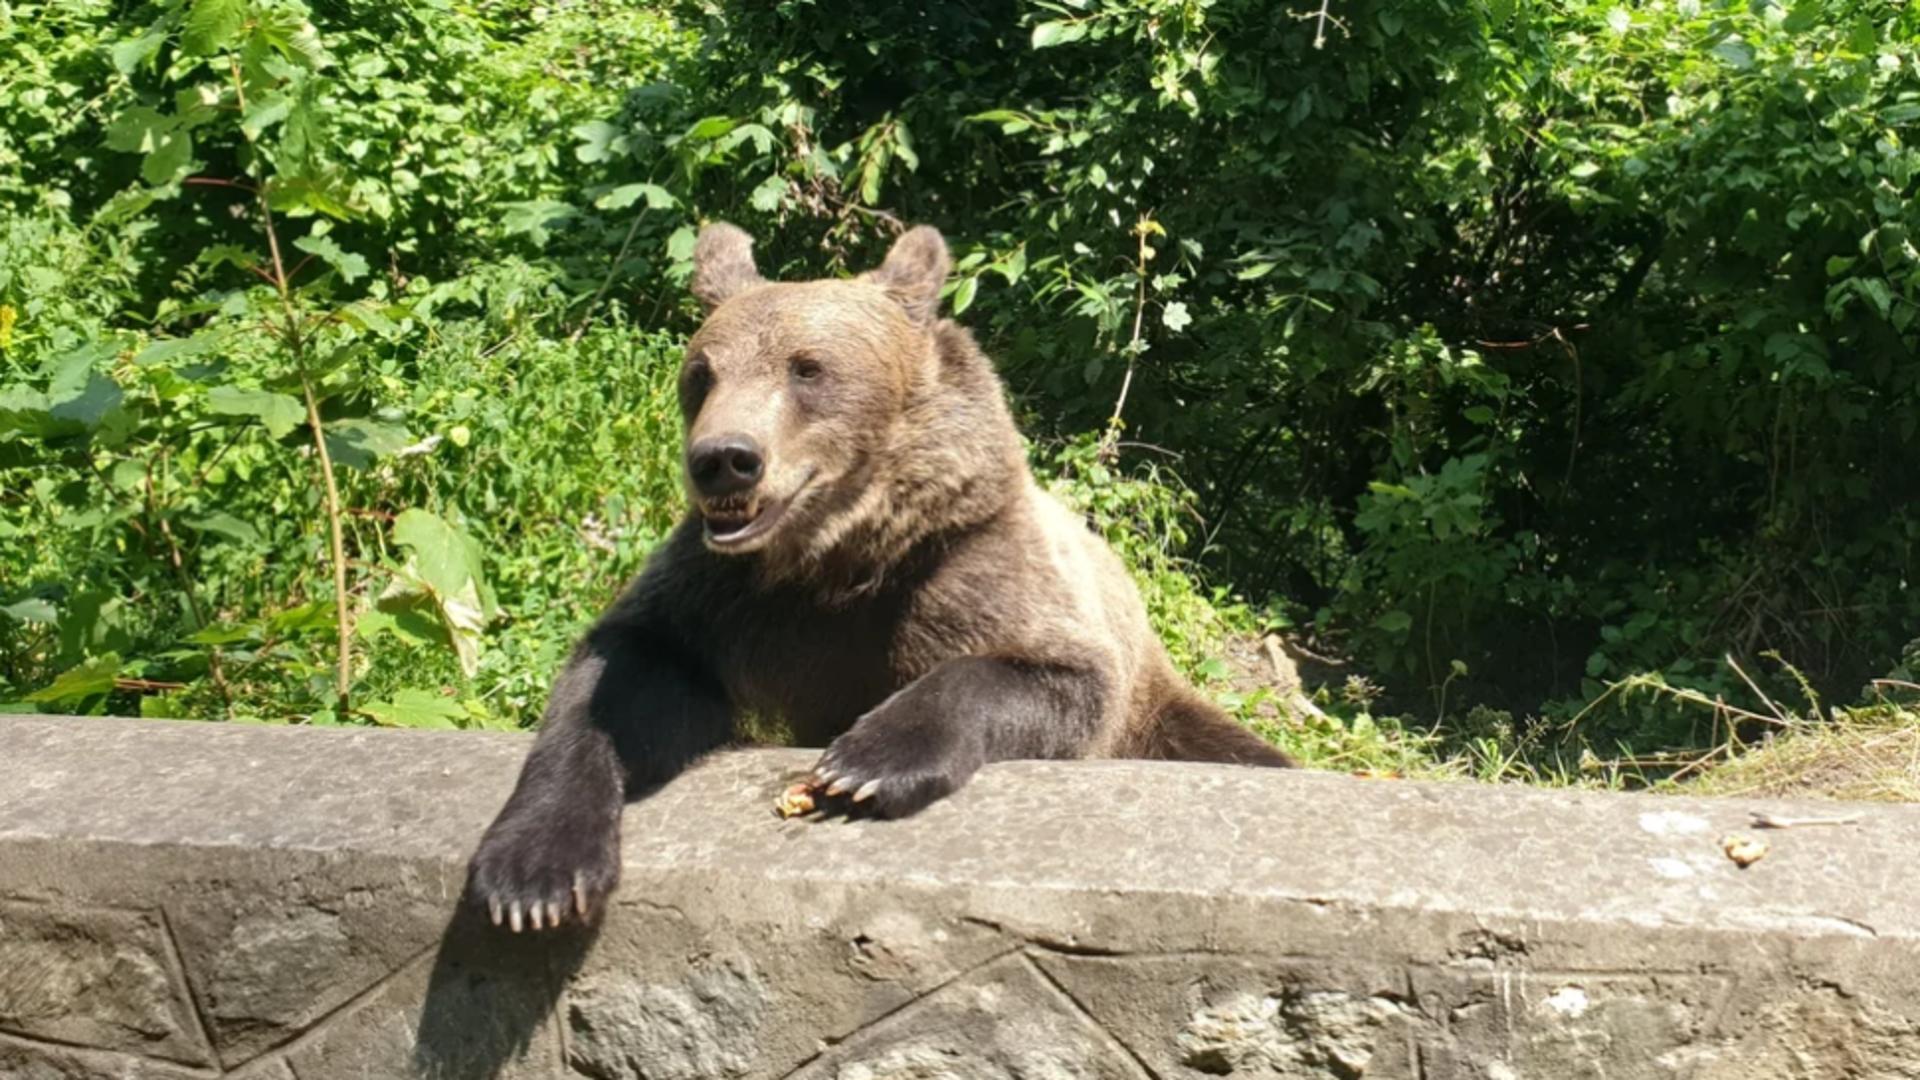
(1522, 346)
(1510, 349)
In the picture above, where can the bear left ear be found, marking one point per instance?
(914, 272)
(723, 264)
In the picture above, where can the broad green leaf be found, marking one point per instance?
(767, 195)
(680, 244)
(223, 634)
(138, 130)
(359, 443)
(447, 563)
(1395, 622)
(128, 55)
(711, 127)
(279, 412)
(311, 617)
(349, 266)
(1048, 34)
(224, 524)
(91, 678)
(440, 554)
(658, 198)
(1735, 53)
(534, 218)
(32, 609)
(169, 158)
(211, 25)
(80, 394)
(412, 616)
(1175, 317)
(264, 112)
(963, 294)
(169, 349)
(1876, 291)
(597, 141)
(414, 708)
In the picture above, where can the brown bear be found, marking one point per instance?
(868, 557)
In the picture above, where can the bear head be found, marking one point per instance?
(791, 391)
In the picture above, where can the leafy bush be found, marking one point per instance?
(1512, 349)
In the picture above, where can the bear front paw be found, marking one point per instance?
(540, 875)
(895, 766)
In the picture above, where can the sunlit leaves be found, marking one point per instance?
(279, 413)
(211, 25)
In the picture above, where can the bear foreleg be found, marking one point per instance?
(929, 738)
(623, 714)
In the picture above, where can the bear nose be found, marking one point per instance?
(725, 464)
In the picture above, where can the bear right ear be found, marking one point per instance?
(723, 264)
(914, 271)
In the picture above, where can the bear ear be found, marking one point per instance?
(723, 264)
(914, 272)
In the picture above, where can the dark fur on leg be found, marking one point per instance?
(926, 741)
(626, 713)
(1190, 729)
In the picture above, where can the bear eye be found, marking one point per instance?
(805, 368)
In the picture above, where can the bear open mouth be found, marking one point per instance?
(731, 521)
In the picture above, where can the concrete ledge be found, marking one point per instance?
(193, 900)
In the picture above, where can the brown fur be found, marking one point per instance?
(901, 569)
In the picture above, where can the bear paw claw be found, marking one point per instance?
(540, 882)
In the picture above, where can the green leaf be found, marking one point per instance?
(446, 562)
(1876, 291)
(128, 55)
(349, 266)
(411, 616)
(1395, 622)
(359, 443)
(438, 548)
(1175, 317)
(264, 112)
(963, 294)
(224, 524)
(211, 25)
(1048, 34)
(279, 412)
(415, 709)
(1584, 170)
(680, 244)
(223, 635)
(534, 218)
(167, 349)
(80, 394)
(711, 127)
(89, 679)
(138, 130)
(767, 194)
(32, 609)
(1256, 271)
(1734, 53)
(169, 158)
(658, 198)
(597, 141)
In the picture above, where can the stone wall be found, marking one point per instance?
(194, 900)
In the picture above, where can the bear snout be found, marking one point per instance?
(724, 465)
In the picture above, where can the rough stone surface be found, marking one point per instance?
(197, 900)
(94, 977)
